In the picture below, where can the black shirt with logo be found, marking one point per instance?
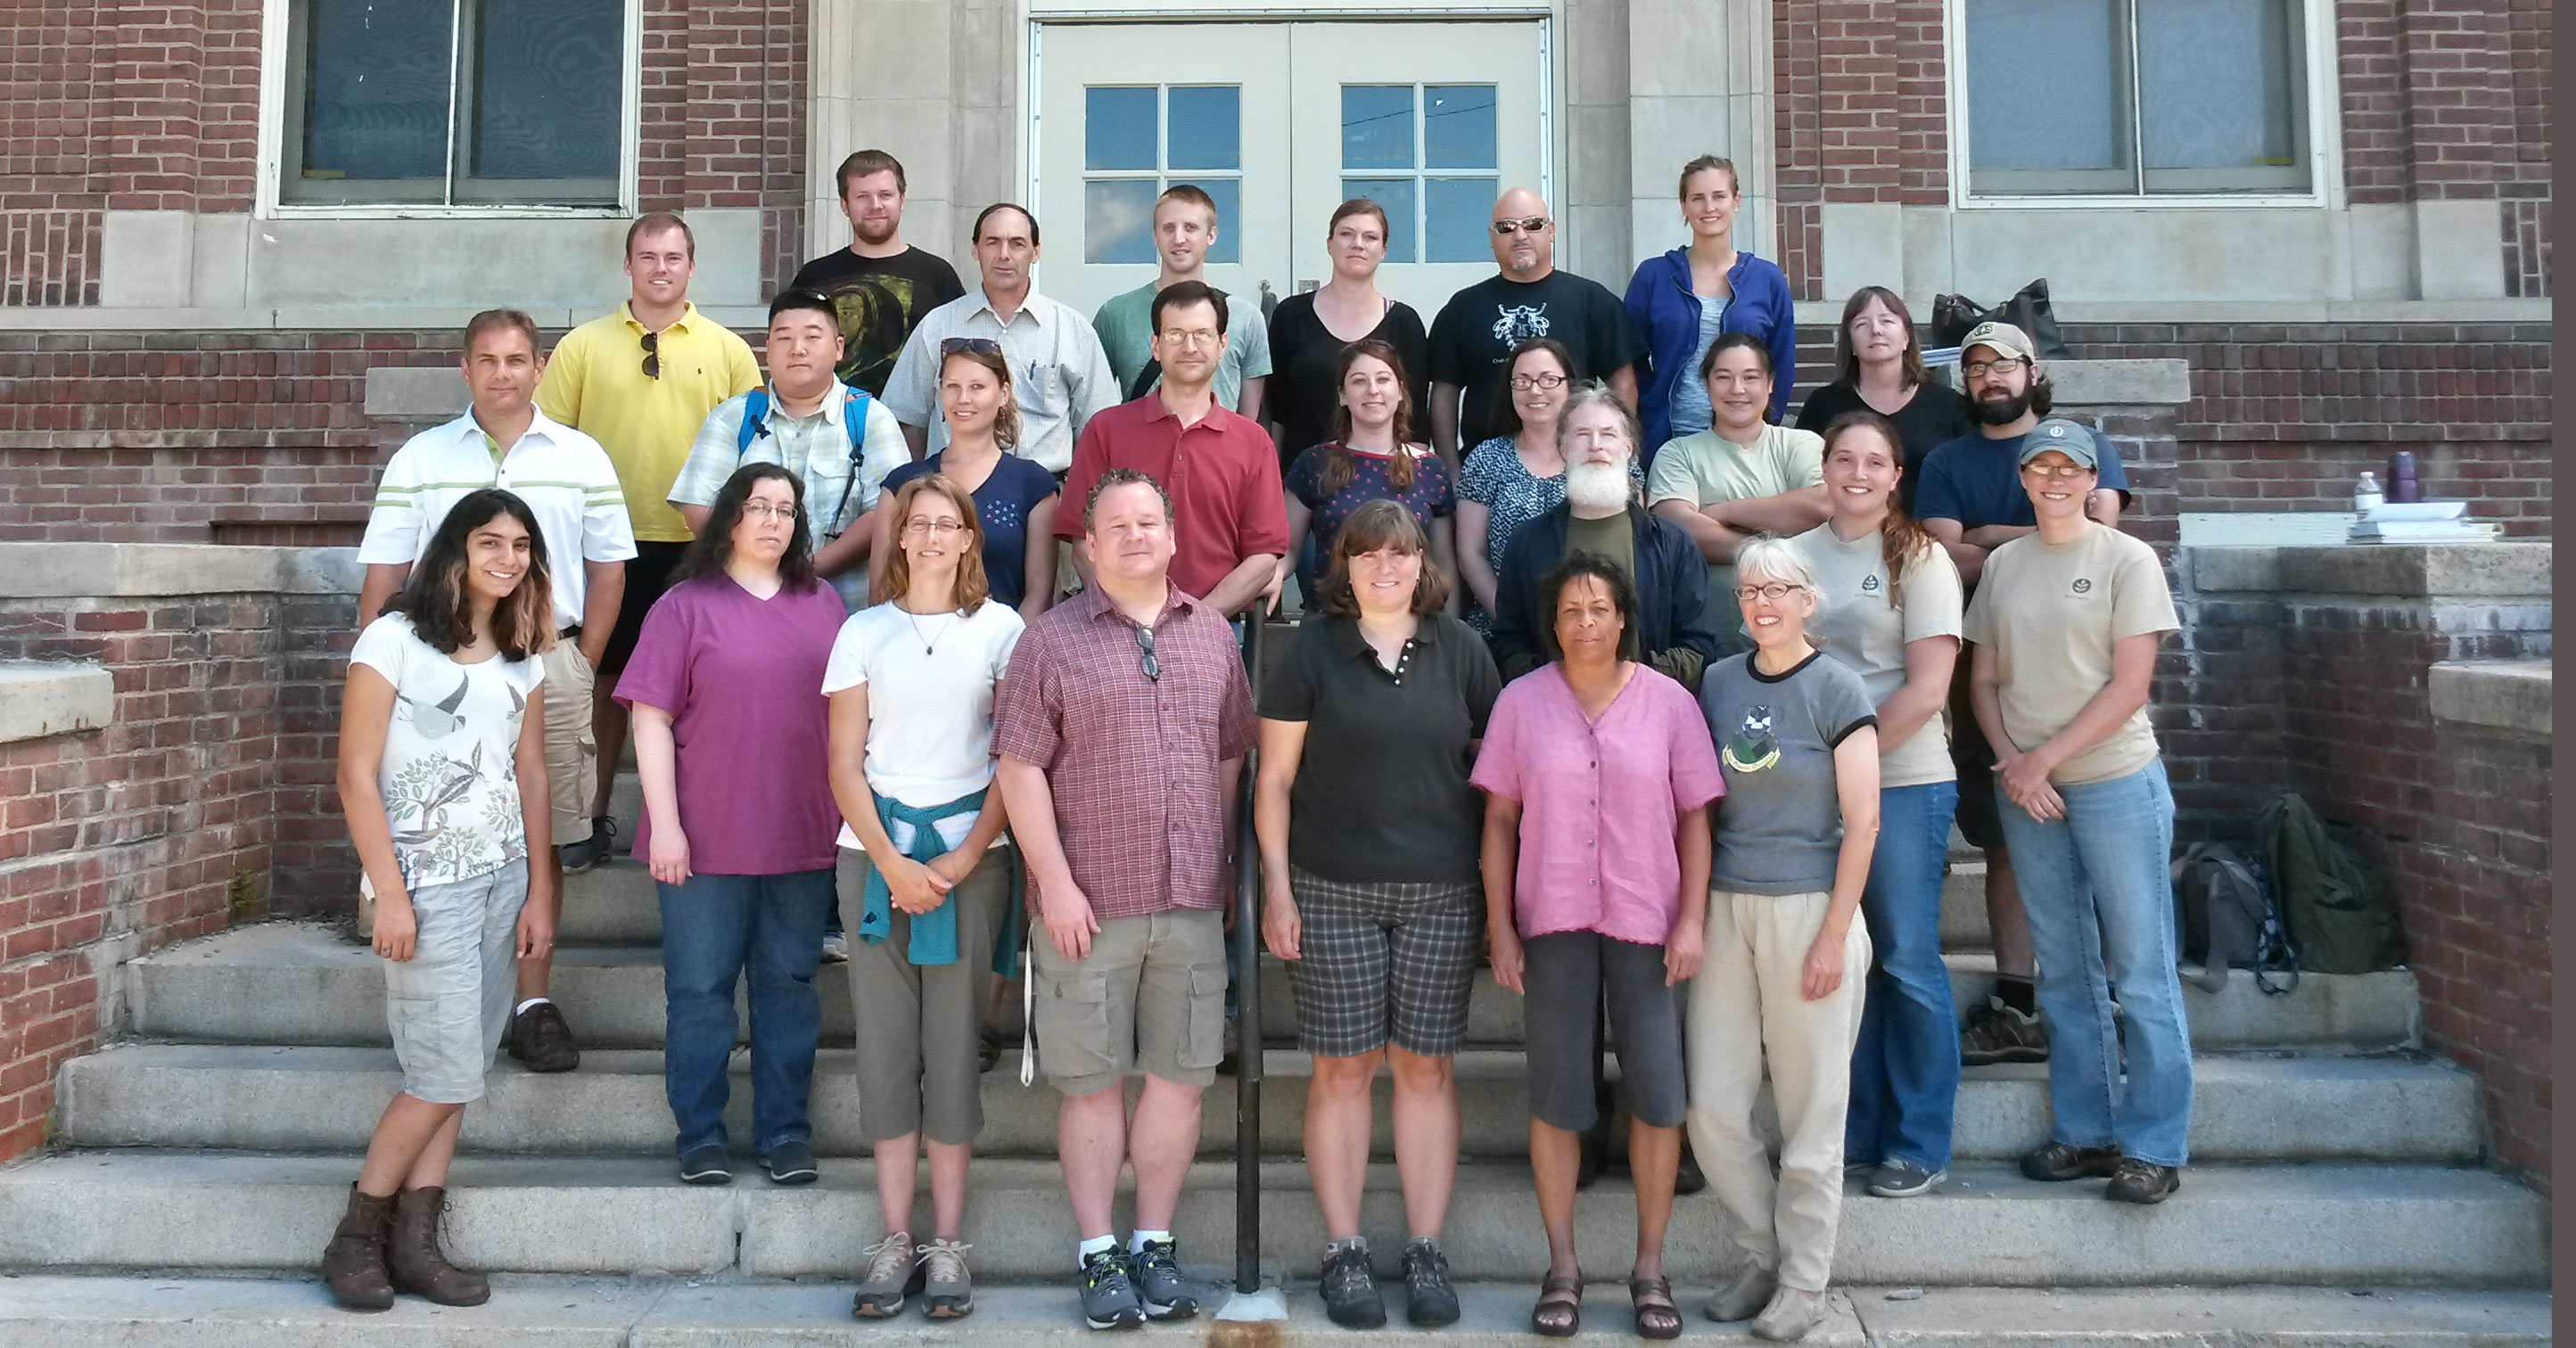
(1474, 335)
(880, 300)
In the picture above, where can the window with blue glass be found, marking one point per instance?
(1140, 139)
(1425, 153)
(454, 102)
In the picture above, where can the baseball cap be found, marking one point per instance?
(2071, 438)
(2004, 338)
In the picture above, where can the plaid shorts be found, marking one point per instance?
(1385, 961)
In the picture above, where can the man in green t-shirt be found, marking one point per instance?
(1185, 229)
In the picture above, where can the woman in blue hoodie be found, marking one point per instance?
(1685, 298)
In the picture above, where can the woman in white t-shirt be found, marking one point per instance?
(1888, 606)
(925, 870)
(442, 723)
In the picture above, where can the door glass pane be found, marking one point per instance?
(2235, 107)
(2046, 87)
(1227, 193)
(547, 90)
(1205, 127)
(1458, 213)
(1395, 197)
(1377, 126)
(1458, 126)
(376, 89)
(1118, 220)
(1119, 128)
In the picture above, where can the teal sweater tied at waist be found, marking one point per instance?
(934, 933)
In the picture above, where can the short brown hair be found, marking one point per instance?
(1382, 523)
(494, 320)
(1359, 206)
(865, 162)
(1122, 477)
(1849, 359)
(1190, 194)
(1702, 165)
(1181, 293)
(654, 222)
(972, 587)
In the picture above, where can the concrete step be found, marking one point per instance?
(541, 1311)
(305, 983)
(2329, 1225)
(327, 1099)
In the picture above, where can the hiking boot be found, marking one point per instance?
(415, 1262)
(947, 1289)
(705, 1165)
(1904, 1179)
(589, 852)
(2139, 1181)
(894, 1274)
(1166, 1294)
(1997, 1033)
(540, 1038)
(2059, 1161)
(353, 1264)
(1742, 1296)
(790, 1163)
(1793, 1311)
(1429, 1300)
(1350, 1287)
(1109, 1299)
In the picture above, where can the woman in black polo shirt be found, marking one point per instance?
(1369, 835)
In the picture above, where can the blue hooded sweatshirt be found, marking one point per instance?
(1660, 299)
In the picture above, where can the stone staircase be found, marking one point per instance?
(2336, 1189)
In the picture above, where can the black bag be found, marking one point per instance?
(1955, 316)
(2229, 918)
(2340, 910)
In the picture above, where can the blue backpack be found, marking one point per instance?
(854, 419)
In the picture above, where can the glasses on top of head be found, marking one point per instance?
(1775, 591)
(652, 355)
(1528, 225)
(1523, 383)
(982, 346)
(1145, 643)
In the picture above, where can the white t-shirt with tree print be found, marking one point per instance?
(450, 774)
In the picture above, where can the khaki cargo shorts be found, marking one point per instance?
(1151, 994)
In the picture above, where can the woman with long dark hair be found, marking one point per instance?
(726, 691)
(443, 781)
(1371, 457)
(1881, 367)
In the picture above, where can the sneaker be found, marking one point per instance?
(836, 948)
(540, 1038)
(1998, 1033)
(589, 852)
(1792, 1313)
(1743, 1295)
(947, 1289)
(1157, 1272)
(894, 1274)
(1429, 1300)
(705, 1165)
(791, 1163)
(2060, 1161)
(1904, 1179)
(1350, 1287)
(1109, 1299)
(2137, 1181)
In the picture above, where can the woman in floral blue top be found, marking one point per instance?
(1371, 457)
(1514, 478)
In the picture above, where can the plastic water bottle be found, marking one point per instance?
(2366, 496)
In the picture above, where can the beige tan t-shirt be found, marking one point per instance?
(2052, 614)
(1706, 468)
(1867, 623)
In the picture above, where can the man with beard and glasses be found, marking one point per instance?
(880, 285)
(1971, 499)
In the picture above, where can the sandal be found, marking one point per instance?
(1559, 1312)
(1657, 1317)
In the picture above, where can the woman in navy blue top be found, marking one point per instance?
(1371, 457)
(1686, 298)
(1015, 498)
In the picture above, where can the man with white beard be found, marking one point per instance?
(1598, 436)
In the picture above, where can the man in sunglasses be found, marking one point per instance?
(1472, 339)
(1122, 728)
(641, 382)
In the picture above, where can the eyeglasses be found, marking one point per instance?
(1531, 225)
(1775, 591)
(1523, 383)
(1981, 369)
(2058, 471)
(931, 528)
(652, 355)
(982, 346)
(764, 510)
(1145, 643)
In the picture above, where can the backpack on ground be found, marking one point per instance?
(854, 419)
(2230, 919)
(2341, 911)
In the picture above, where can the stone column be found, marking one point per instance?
(1700, 71)
(881, 77)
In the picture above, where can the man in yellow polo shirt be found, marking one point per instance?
(641, 382)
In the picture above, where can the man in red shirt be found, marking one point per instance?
(1229, 518)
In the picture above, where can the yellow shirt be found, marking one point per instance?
(595, 383)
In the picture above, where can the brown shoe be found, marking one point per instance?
(540, 1038)
(417, 1264)
(353, 1264)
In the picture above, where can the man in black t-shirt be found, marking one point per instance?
(1472, 339)
(880, 285)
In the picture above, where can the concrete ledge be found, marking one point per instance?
(750, 320)
(133, 570)
(2504, 694)
(415, 391)
(2120, 383)
(2517, 570)
(41, 698)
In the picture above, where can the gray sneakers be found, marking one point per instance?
(894, 1275)
(1790, 1315)
(1997, 1033)
(1109, 1299)
(947, 1289)
(1904, 1179)
(1156, 1270)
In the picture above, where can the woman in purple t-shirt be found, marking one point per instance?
(731, 732)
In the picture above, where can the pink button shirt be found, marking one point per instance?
(1600, 801)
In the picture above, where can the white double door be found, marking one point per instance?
(1280, 123)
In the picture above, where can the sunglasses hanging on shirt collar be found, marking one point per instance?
(652, 355)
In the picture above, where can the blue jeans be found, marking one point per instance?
(1905, 1069)
(2098, 887)
(714, 929)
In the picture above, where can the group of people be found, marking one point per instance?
(1660, 708)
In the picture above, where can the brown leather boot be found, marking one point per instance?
(417, 1264)
(354, 1262)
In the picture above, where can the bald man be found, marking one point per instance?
(1472, 340)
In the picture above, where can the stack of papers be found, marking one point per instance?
(2422, 522)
